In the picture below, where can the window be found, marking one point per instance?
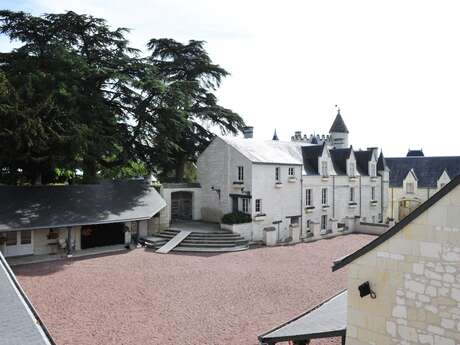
(308, 197)
(372, 171)
(352, 194)
(373, 219)
(11, 238)
(324, 196)
(442, 185)
(352, 169)
(291, 172)
(245, 205)
(323, 222)
(295, 220)
(258, 205)
(308, 224)
(277, 174)
(410, 188)
(26, 237)
(372, 193)
(240, 173)
(324, 171)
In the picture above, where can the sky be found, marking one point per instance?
(393, 67)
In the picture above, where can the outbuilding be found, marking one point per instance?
(60, 219)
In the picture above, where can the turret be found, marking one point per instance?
(339, 132)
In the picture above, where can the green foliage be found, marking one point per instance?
(131, 169)
(236, 218)
(74, 96)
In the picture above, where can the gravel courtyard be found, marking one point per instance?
(140, 297)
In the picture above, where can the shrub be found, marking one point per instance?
(236, 218)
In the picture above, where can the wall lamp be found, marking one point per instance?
(216, 190)
(365, 289)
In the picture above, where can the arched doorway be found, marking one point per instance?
(181, 205)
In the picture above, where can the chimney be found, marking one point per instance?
(248, 132)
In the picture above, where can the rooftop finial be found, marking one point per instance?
(338, 109)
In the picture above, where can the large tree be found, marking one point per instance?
(75, 96)
(183, 108)
(69, 76)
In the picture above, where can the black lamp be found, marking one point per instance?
(365, 289)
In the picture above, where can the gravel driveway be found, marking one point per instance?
(140, 297)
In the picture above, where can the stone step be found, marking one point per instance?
(192, 238)
(210, 250)
(201, 234)
(212, 239)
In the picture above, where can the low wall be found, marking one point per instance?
(370, 228)
(245, 229)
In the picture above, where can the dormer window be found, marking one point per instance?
(410, 189)
(324, 170)
(372, 170)
(352, 169)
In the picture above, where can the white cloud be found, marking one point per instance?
(392, 66)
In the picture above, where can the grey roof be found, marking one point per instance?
(275, 136)
(271, 151)
(310, 155)
(427, 169)
(62, 206)
(339, 160)
(415, 153)
(399, 226)
(20, 324)
(325, 320)
(381, 163)
(362, 161)
(338, 126)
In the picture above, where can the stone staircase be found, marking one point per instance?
(221, 241)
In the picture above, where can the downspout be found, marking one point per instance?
(381, 198)
(301, 202)
(333, 196)
(392, 204)
(360, 197)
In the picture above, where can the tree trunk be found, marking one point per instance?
(180, 169)
(90, 172)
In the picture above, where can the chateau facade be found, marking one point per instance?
(302, 188)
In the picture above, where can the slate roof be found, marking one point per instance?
(427, 169)
(399, 226)
(381, 163)
(62, 206)
(19, 322)
(327, 319)
(339, 160)
(338, 126)
(269, 152)
(362, 161)
(415, 153)
(310, 155)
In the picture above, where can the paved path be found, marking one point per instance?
(140, 298)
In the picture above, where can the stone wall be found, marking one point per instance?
(416, 278)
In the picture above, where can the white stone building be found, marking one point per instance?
(415, 178)
(403, 287)
(300, 188)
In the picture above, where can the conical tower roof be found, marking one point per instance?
(338, 126)
(275, 136)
